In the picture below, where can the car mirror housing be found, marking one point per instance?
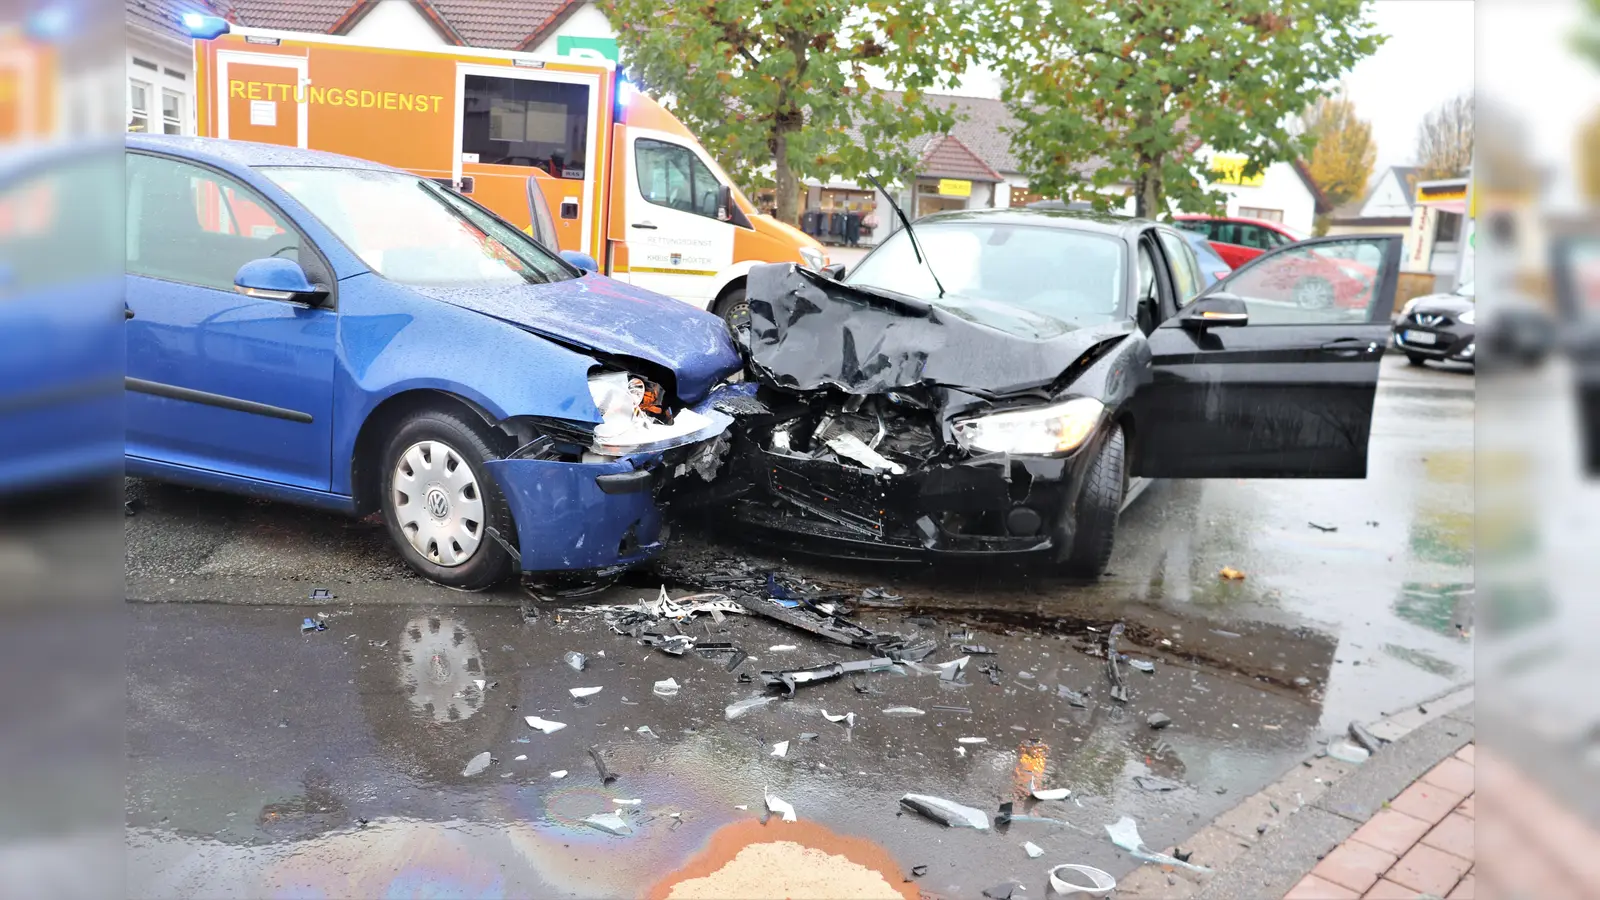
(1215, 310)
(276, 278)
(724, 203)
(582, 260)
(834, 271)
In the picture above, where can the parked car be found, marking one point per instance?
(1001, 385)
(320, 330)
(1439, 327)
(1239, 240)
(1212, 266)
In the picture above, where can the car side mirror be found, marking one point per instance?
(1215, 310)
(582, 260)
(724, 203)
(276, 278)
(834, 271)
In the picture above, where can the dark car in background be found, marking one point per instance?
(998, 385)
(1439, 327)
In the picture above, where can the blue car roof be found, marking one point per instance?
(247, 153)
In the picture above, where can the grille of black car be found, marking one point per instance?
(1431, 320)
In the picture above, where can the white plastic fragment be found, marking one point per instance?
(1125, 834)
(903, 711)
(626, 802)
(585, 692)
(521, 757)
(743, 806)
(782, 648)
(779, 807)
(961, 751)
(668, 688)
(735, 710)
(947, 811)
(479, 683)
(852, 448)
(477, 765)
(1100, 882)
(1033, 850)
(544, 725)
(610, 822)
(780, 749)
(973, 740)
(559, 773)
(1051, 793)
(849, 718)
(1344, 751)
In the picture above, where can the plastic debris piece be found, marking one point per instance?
(1231, 574)
(790, 679)
(1158, 721)
(1033, 850)
(918, 871)
(946, 812)
(1085, 880)
(954, 709)
(1119, 688)
(782, 648)
(1125, 834)
(606, 776)
(854, 449)
(477, 765)
(668, 688)
(903, 711)
(972, 740)
(672, 645)
(849, 719)
(321, 594)
(521, 757)
(310, 624)
(559, 773)
(1345, 751)
(780, 749)
(961, 751)
(735, 710)
(1368, 741)
(610, 823)
(1072, 697)
(1001, 891)
(880, 598)
(954, 669)
(809, 735)
(544, 725)
(1155, 784)
(584, 692)
(1051, 793)
(1143, 665)
(779, 807)
(626, 802)
(1323, 528)
(976, 650)
(647, 731)
(576, 661)
(739, 656)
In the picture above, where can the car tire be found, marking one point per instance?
(1416, 359)
(433, 446)
(733, 310)
(1094, 527)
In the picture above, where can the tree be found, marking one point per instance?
(1343, 154)
(1124, 92)
(783, 82)
(1444, 140)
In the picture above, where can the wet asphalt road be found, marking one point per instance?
(256, 751)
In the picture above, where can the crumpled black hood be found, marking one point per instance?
(808, 332)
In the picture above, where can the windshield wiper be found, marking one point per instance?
(916, 248)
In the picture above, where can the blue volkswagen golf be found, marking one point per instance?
(315, 329)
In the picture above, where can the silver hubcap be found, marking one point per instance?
(1315, 293)
(437, 503)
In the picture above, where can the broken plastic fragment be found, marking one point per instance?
(735, 710)
(668, 688)
(782, 648)
(809, 735)
(1125, 834)
(852, 448)
(903, 711)
(310, 624)
(780, 749)
(610, 822)
(1345, 751)
(559, 773)
(626, 802)
(1143, 665)
(779, 807)
(647, 731)
(973, 740)
(585, 692)
(1368, 741)
(918, 871)
(849, 719)
(1158, 721)
(1033, 850)
(1001, 891)
(576, 660)
(606, 777)
(1072, 697)
(477, 765)
(946, 812)
(1051, 793)
(1155, 784)
(1231, 574)
(1098, 881)
(544, 725)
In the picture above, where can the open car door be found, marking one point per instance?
(543, 227)
(1271, 372)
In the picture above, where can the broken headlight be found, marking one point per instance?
(814, 258)
(635, 417)
(1044, 431)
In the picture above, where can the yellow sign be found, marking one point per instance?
(353, 97)
(1230, 170)
(954, 187)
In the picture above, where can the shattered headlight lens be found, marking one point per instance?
(635, 417)
(1044, 431)
(813, 257)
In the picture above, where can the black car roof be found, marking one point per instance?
(1125, 227)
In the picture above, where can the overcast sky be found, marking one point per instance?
(1428, 59)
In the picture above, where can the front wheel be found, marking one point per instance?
(734, 310)
(439, 501)
(1094, 525)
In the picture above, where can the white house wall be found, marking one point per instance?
(1389, 199)
(396, 23)
(173, 60)
(1280, 189)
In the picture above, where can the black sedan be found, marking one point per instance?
(1439, 327)
(1002, 384)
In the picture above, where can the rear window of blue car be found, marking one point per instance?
(412, 231)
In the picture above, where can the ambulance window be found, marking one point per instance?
(518, 122)
(671, 175)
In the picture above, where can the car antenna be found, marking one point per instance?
(915, 247)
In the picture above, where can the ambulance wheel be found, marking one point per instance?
(734, 310)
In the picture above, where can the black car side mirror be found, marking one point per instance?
(724, 203)
(834, 271)
(1215, 310)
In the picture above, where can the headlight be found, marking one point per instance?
(635, 418)
(813, 257)
(1033, 432)
(1470, 317)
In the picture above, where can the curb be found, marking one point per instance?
(1270, 840)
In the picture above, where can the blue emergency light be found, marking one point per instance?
(203, 27)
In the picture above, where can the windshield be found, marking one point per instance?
(1058, 279)
(413, 231)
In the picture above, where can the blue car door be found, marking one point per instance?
(218, 381)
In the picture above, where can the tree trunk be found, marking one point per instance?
(788, 187)
(1147, 190)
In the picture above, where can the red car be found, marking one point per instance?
(1238, 240)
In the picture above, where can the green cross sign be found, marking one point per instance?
(587, 47)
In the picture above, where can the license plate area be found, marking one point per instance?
(1421, 337)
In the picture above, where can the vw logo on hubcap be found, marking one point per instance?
(438, 504)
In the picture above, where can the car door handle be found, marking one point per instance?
(1350, 347)
(648, 225)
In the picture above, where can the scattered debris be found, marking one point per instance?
(1099, 883)
(809, 735)
(918, 871)
(1033, 850)
(606, 776)
(668, 688)
(779, 807)
(1050, 793)
(1119, 688)
(903, 711)
(976, 650)
(1231, 574)
(1323, 528)
(954, 709)
(945, 812)
(544, 725)
(1125, 834)
(849, 719)
(954, 669)
(854, 449)
(672, 645)
(576, 661)
(559, 773)
(1155, 784)
(1143, 665)
(1344, 751)
(1181, 855)
(994, 672)
(739, 656)
(610, 823)
(782, 648)
(1001, 891)
(477, 765)
(530, 613)
(972, 740)
(626, 802)
(320, 594)
(580, 693)
(1365, 738)
(880, 598)
(310, 624)
(791, 679)
(798, 611)
(780, 749)
(1159, 721)
(647, 731)
(735, 710)
(1301, 681)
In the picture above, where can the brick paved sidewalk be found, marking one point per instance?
(1420, 845)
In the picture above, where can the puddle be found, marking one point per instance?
(786, 859)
